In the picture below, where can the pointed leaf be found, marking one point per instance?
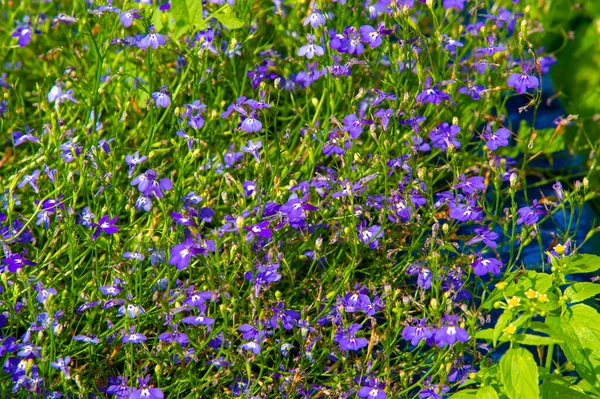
(519, 374)
(579, 292)
(582, 264)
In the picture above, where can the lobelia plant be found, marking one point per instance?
(290, 199)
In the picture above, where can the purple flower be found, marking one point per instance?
(251, 346)
(370, 235)
(474, 91)
(450, 332)
(315, 19)
(418, 332)
(347, 340)
(133, 161)
(23, 31)
(372, 390)
(153, 39)
(431, 391)
(31, 180)
(252, 148)
(249, 187)
(62, 365)
(259, 229)
(495, 139)
(521, 82)
(127, 17)
(353, 125)
(161, 98)
(484, 234)
(20, 137)
(444, 135)
(133, 337)
(482, 266)
(16, 261)
(198, 320)
(263, 276)
(86, 338)
(183, 220)
(464, 212)
(371, 35)
(309, 50)
(251, 124)
(144, 391)
(182, 253)
(470, 185)
(530, 215)
(431, 94)
(384, 115)
(458, 4)
(423, 274)
(106, 225)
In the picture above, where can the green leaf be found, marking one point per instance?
(466, 394)
(530, 339)
(503, 321)
(582, 264)
(539, 140)
(187, 14)
(519, 374)
(581, 324)
(228, 18)
(487, 393)
(579, 292)
(556, 388)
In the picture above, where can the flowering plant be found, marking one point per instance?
(290, 199)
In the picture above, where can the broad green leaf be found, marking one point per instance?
(519, 374)
(579, 292)
(539, 140)
(581, 324)
(487, 393)
(228, 18)
(466, 394)
(554, 387)
(530, 339)
(582, 264)
(488, 334)
(187, 14)
(503, 321)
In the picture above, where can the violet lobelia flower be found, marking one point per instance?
(522, 81)
(153, 39)
(418, 332)
(482, 266)
(182, 253)
(106, 225)
(144, 391)
(161, 98)
(450, 332)
(127, 17)
(252, 148)
(310, 49)
(496, 139)
(530, 215)
(347, 339)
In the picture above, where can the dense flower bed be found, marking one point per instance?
(285, 199)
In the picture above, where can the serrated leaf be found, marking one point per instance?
(583, 263)
(466, 394)
(581, 324)
(228, 18)
(579, 292)
(187, 14)
(519, 374)
(487, 393)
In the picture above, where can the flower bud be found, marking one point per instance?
(513, 179)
